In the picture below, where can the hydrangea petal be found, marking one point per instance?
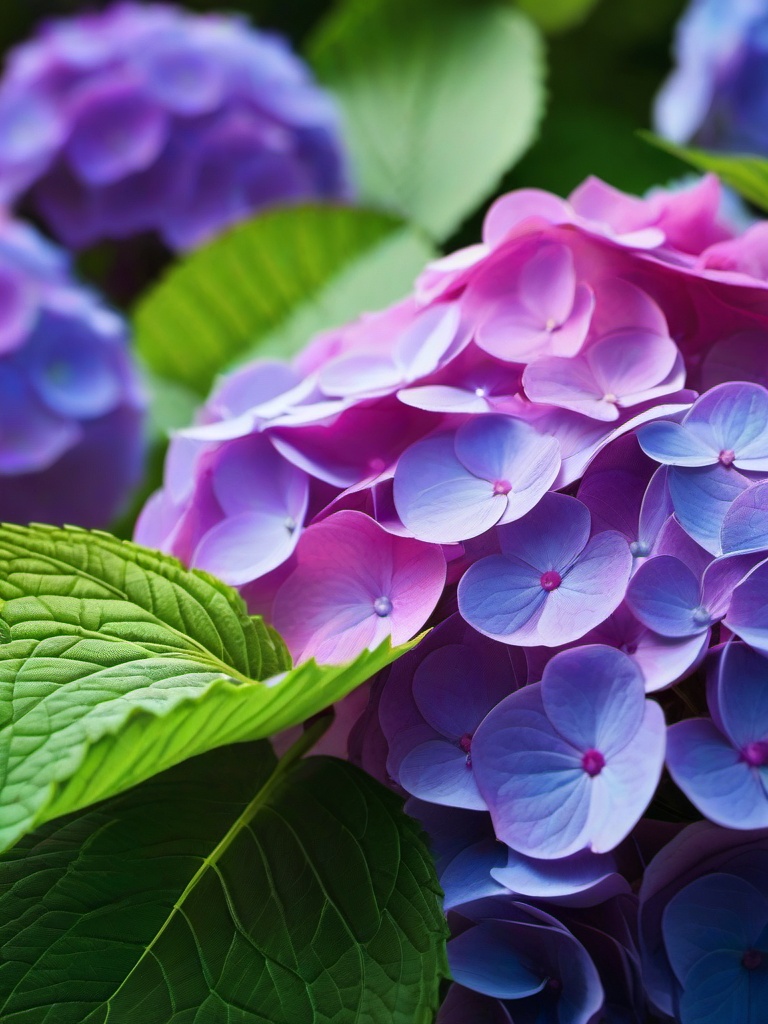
(701, 499)
(742, 694)
(745, 525)
(720, 991)
(502, 598)
(551, 535)
(490, 958)
(715, 777)
(440, 772)
(665, 596)
(673, 445)
(748, 612)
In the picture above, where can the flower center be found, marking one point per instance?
(550, 580)
(701, 616)
(501, 486)
(550, 325)
(756, 753)
(638, 549)
(289, 523)
(610, 398)
(382, 606)
(628, 648)
(752, 959)
(726, 457)
(481, 392)
(592, 762)
(465, 744)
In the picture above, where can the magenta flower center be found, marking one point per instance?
(382, 606)
(752, 959)
(592, 762)
(501, 486)
(550, 580)
(726, 456)
(465, 743)
(756, 754)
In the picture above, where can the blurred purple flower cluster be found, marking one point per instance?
(145, 118)
(70, 404)
(513, 456)
(717, 94)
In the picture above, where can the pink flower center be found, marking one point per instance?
(726, 456)
(752, 959)
(501, 486)
(592, 762)
(756, 754)
(382, 606)
(550, 580)
(465, 743)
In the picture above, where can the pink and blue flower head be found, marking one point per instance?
(146, 118)
(71, 410)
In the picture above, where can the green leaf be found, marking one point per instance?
(265, 287)
(116, 663)
(747, 174)
(440, 98)
(216, 892)
(557, 15)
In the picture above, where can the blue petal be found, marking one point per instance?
(701, 499)
(665, 596)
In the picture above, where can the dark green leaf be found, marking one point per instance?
(116, 663)
(440, 98)
(747, 174)
(214, 893)
(267, 286)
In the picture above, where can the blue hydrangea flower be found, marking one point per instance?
(145, 118)
(70, 406)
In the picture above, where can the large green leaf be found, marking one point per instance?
(216, 892)
(440, 98)
(116, 663)
(265, 287)
(747, 174)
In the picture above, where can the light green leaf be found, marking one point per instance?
(747, 174)
(264, 288)
(440, 98)
(557, 15)
(116, 663)
(220, 892)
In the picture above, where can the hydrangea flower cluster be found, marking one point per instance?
(145, 118)
(71, 409)
(717, 95)
(555, 453)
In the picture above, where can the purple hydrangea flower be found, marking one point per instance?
(667, 597)
(147, 118)
(573, 761)
(722, 764)
(722, 437)
(71, 408)
(493, 470)
(552, 583)
(525, 957)
(354, 584)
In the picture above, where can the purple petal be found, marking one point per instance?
(581, 880)
(631, 364)
(18, 308)
(590, 590)
(718, 911)
(734, 417)
(673, 444)
(745, 525)
(715, 777)
(245, 546)
(665, 596)
(32, 437)
(502, 598)
(184, 78)
(532, 781)
(353, 585)
(547, 283)
(462, 1005)
(742, 695)
(117, 131)
(594, 697)
(441, 773)
(550, 536)
(490, 958)
(614, 485)
(701, 499)
(438, 499)
(624, 788)
(250, 476)
(748, 612)
(569, 384)
(718, 989)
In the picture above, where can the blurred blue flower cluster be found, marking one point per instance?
(70, 405)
